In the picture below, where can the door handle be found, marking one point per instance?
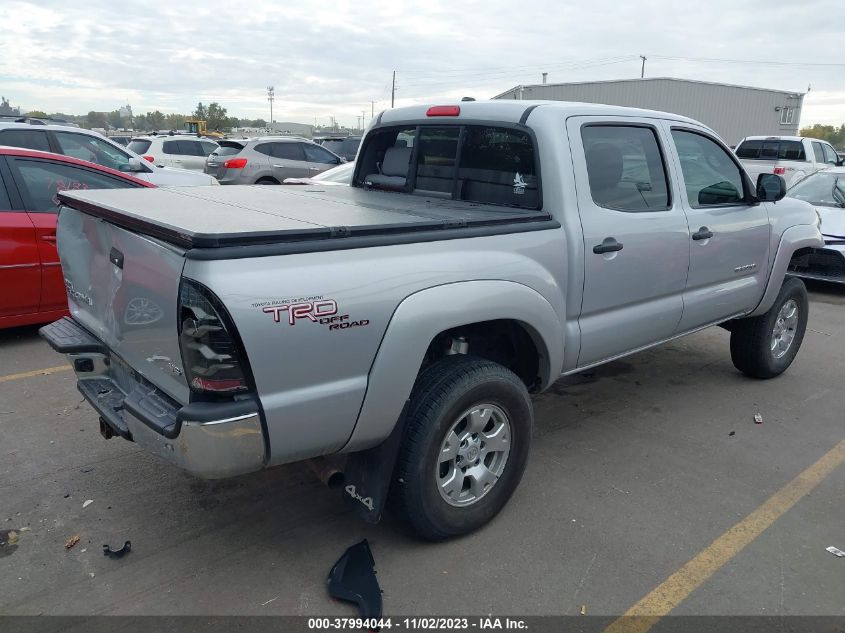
(314, 168)
(702, 234)
(608, 245)
(49, 238)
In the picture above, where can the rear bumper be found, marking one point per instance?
(207, 439)
(824, 264)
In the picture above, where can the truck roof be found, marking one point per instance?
(515, 111)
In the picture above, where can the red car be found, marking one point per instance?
(31, 280)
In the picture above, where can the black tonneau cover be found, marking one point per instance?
(215, 217)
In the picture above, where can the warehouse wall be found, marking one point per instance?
(733, 111)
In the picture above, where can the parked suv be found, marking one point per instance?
(174, 151)
(94, 148)
(269, 160)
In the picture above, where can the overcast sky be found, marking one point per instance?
(333, 58)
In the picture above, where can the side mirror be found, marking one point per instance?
(136, 164)
(342, 160)
(770, 187)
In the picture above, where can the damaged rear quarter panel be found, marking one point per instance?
(311, 377)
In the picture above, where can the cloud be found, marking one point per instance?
(334, 58)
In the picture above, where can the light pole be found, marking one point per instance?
(271, 95)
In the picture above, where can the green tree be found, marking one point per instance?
(830, 133)
(140, 123)
(156, 120)
(38, 114)
(233, 122)
(96, 119)
(201, 112)
(175, 121)
(216, 117)
(114, 119)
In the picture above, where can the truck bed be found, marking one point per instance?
(237, 216)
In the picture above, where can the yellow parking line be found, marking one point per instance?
(37, 372)
(677, 587)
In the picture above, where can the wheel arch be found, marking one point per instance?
(425, 317)
(793, 239)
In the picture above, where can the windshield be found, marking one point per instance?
(139, 145)
(823, 188)
(341, 174)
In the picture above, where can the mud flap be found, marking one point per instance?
(368, 474)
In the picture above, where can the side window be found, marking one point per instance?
(193, 148)
(264, 148)
(830, 155)
(28, 139)
(711, 177)
(93, 150)
(625, 167)
(287, 151)
(42, 180)
(207, 148)
(171, 147)
(818, 152)
(316, 154)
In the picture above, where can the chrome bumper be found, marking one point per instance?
(211, 450)
(209, 440)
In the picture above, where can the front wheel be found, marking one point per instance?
(466, 444)
(764, 346)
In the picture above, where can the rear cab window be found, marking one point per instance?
(771, 149)
(491, 164)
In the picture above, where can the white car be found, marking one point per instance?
(791, 157)
(95, 148)
(825, 190)
(177, 150)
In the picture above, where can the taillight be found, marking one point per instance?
(443, 111)
(149, 158)
(780, 171)
(235, 163)
(212, 356)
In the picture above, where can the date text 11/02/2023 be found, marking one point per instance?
(487, 623)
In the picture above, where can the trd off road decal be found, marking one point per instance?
(315, 310)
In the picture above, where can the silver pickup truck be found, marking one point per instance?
(483, 250)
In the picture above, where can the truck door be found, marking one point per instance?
(636, 238)
(729, 233)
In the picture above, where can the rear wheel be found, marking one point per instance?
(764, 346)
(465, 447)
(266, 181)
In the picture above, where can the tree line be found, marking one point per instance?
(830, 133)
(213, 114)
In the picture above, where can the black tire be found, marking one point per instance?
(442, 393)
(266, 181)
(751, 339)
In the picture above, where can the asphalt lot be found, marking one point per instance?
(634, 472)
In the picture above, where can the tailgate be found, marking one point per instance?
(757, 167)
(124, 289)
